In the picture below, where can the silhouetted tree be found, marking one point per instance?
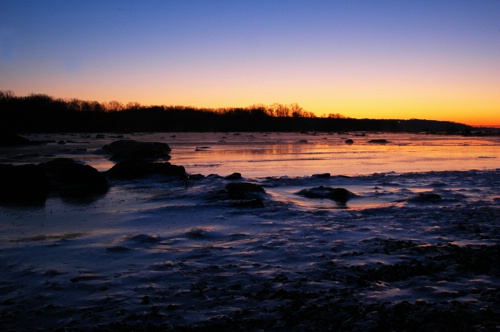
(42, 113)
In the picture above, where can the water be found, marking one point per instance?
(279, 154)
(257, 155)
(167, 254)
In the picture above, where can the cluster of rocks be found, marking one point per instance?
(137, 160)
(134, 160)
(32, 184)
(67, 178)
(62, 176)
(126, 149)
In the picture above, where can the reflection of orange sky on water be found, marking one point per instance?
(279, 154)
(329, 154)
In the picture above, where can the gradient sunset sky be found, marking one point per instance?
(364, 59)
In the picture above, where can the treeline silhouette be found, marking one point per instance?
(42, 113)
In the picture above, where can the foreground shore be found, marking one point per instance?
(164, 256)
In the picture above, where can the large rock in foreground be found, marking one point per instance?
(23, 184)
(31, 184)
(124, 149)
(137, 168)
(71, 179)
(340, 195)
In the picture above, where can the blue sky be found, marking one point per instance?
(376, 59)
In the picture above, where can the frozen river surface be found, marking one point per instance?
(416, 245)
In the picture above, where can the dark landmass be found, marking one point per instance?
(8, 138)
(42, 113)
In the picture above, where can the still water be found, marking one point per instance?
(282, 154)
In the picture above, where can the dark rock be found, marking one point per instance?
(349, 141)
(243, 190)
(63, 176)
(123, 149)
(240, 194)
(11, 139)
(71, 179)
(378, 141)
(61, 142)
(196, 176)
(137, 168)
(77, 180)
(322, 175)
(428, 197)
(234, 176)
(54, 166)
(23, 184)
(145, 238)
(197, 234)
(340, 195)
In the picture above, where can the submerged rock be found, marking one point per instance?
(349, 141)
(340, 195)
(138, 168)
(249, 203)
(242, 190)
(427, 197)
(144, 238)
(240, 194)
(123, 149)
(378, 141)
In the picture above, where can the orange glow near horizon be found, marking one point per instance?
(393, 60)
(470, 112)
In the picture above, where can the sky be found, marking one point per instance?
(437, 60)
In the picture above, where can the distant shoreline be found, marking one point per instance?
(44, 114)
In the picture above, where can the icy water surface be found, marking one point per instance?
(417, 246)
(282, 154)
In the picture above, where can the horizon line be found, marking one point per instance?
(123, 105)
